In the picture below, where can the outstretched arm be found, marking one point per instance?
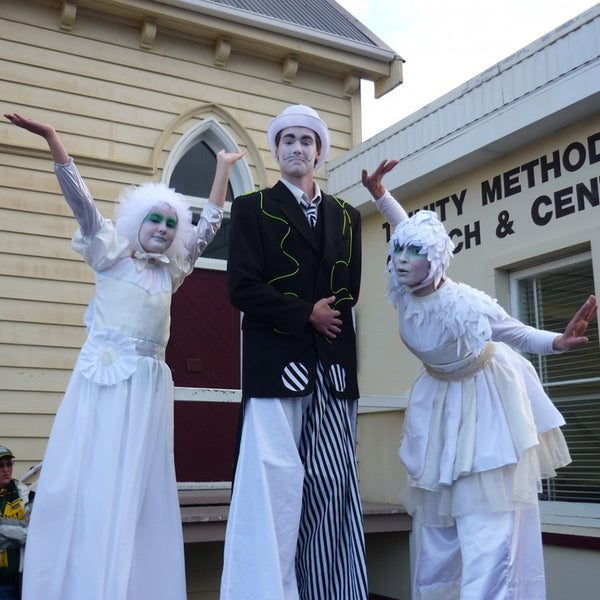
(59, 152)
(225, 161)
(573, 335)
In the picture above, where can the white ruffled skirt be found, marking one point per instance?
(482, 444)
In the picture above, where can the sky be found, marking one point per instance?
(445, 43)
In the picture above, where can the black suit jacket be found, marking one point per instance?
(277, 269)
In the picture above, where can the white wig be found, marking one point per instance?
(134, 205)
(425, 231)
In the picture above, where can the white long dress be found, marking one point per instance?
(480, 431)
(106, 522)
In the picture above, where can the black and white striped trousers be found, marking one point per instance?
(330, 558)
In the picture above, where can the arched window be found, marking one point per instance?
(204, 348)
(190, 169)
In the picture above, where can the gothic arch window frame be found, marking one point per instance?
(214, 135)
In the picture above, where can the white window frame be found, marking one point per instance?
(211, 132)
(578, 518)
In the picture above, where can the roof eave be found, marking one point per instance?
(380, 53)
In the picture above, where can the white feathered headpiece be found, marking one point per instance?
(134, 205)
(425, 231)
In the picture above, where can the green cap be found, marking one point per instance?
(4, 451)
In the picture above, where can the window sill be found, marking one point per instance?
(570, 518)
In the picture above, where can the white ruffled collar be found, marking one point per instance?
(462, 310)
(142, 258)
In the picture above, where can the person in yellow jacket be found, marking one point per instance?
(14, 512)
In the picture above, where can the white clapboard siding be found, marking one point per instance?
(34, 379)
(48, 291)
(56, 336)
(44, 268)
(28, 402)
(34, 311)
(19, 173)
(44, 357)
(22, 424)
(134, 84)
(32, 244)
(36, 223)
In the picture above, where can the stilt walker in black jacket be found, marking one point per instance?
(295, 524)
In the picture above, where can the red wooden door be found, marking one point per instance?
(204, 352)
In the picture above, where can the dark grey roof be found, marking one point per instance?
(319, 15)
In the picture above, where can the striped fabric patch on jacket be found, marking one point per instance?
(295, 377)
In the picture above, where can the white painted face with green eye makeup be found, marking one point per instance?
(158, 229)
(410, 265)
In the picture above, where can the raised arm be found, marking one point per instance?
(225, 161)
(212, 214)
(59, 152)
(73, 187)
(384, 201)
(373, 182)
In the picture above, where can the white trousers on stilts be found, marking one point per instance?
(484, 556)
(266, 506)
(262, 528)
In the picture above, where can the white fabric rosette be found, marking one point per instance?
(107, 357)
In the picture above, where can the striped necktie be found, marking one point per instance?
(311, 212)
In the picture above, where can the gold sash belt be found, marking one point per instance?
(465, 369)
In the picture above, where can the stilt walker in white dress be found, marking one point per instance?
(480, 432)
(106, 522)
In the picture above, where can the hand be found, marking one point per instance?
(230, 157)
(325, 319)
(573, 335)
(59, 152)
(34, 126)
(225, 160)
(373, 182)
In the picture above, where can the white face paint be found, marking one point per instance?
(158, 229)
(410, 265)
(296, 151)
